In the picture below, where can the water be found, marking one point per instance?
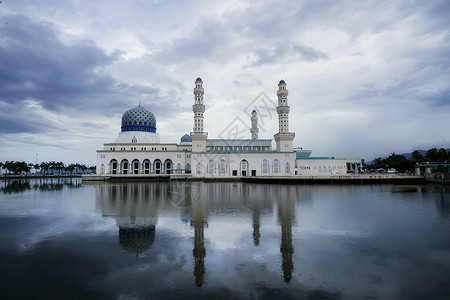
(61, 239)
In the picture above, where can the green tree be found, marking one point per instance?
(442, 155)
(416, 156)
(59, 166)
(431, 155)
(44, 166)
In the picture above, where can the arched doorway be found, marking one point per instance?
(168, 166)
(113, 166)
(146, 163)
(135, 166)
(157, 164)
(124, 165)
(244, 167)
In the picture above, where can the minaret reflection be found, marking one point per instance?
(135, 208)
(256, 233)
(199, 222)
(256, 200)
(286, 216)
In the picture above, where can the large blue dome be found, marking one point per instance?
(186, 138)
(138, 119)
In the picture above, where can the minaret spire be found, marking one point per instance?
(254, 130)
(283, 107)
(198, 136)
(283, 138)
(198, 108)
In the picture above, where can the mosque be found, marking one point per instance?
(138, 151)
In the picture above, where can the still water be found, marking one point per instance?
(63, 239)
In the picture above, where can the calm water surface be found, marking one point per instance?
(63, 240)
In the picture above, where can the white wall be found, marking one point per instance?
(321, 166)
(233, 162)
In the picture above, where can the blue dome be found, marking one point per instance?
(198, 79)
(138, 119)
(282, 81)
(254, 111)
(186, 138)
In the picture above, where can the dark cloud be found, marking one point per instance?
(36, 65)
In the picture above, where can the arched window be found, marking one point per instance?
(276, 166)
(102, 169)
(222, 167)
(211, 167)
(288, 168)
(199, 168)
(168, 166)
(265, 166)
(188, 167)
(178, 168)
(244, 167)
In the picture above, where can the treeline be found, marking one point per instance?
(402, 164)
(45, 168)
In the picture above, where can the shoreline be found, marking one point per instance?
(348, 178)
(15, 177)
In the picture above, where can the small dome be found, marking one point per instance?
(186, 138)
(198, 79)
(254, 111)
(282, 81)
(138, 119)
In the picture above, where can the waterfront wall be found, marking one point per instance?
(347, 178)
(438, 178)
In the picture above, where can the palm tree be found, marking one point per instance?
(416, 155)
(59, 166)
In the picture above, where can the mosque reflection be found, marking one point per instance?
(136, 207)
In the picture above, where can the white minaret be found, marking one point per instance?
(254, 130)
(198, 108)
(198, 136)
(283, 138)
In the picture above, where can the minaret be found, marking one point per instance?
(198, 136)
(198, 108)
(254, 130)
(283, 138)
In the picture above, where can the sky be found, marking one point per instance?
(365, 78)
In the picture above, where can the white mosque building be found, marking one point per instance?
(137, 151)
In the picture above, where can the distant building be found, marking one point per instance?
(137, 149)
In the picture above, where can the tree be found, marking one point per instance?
(431, 155)
(44, 167)
(59, 166)
(416, 155)
(442, 155)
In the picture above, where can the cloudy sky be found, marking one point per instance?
(365, 78)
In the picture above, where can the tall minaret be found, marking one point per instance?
(254, 130)
(283, 138)
(198, 136)
(198, 108)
